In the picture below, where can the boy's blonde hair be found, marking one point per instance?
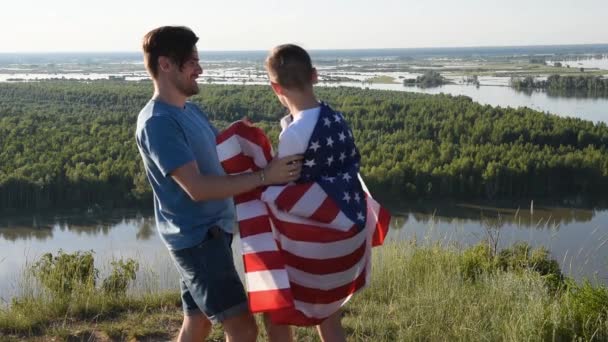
(290, 66)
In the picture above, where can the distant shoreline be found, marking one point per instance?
(436, 48)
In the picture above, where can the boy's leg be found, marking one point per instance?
(277, 333)
(330, 330)
(240, 328)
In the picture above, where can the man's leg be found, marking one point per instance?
(277, 333)
(213, 286)
(330, 330)
(195, 328)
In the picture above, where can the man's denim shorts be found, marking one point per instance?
(209, 281)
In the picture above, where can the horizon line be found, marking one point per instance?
(312, 49)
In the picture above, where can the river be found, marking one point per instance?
(577, 238)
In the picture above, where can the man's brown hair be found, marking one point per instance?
(289, 65)
(175, 42)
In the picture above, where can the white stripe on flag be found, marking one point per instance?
(320, 310)
(322, 250)
(271, 193)
(228, 149)
(267, 280)
(342, 222)
(373, 212)
(250, 209)
(253, 150)
(309, 202)
(362, 183)
(285, 217)
(327, 281)
(259, 243)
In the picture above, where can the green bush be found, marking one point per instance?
(480, 259)
(122, 273)
(521, 257)
(588, 306)
(476, 261)
(65, 273)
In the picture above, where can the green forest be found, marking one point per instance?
(70, 144)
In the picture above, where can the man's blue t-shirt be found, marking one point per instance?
(169, 137)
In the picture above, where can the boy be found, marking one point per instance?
(292, 77)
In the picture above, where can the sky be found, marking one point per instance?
(113, 25)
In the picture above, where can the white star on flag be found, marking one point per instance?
(330, 160)
(337, 117)
(314, 146)
(360, 216)
(330, 142)
(310, 163)
(326, 122)
(342, 156)
(346, 197)
(329, 179)
(346, 177)
(353, 153)
(357, 198)
(342, 136)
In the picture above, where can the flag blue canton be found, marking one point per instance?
(332, 160)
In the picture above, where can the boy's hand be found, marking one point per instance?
(283, 170)
(246, 121)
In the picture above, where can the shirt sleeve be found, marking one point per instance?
(164, 142)
(290, 144)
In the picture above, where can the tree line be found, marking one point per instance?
(70, 144)
(585, 85)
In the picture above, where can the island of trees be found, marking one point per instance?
(69, 144)
(429, 79)
(591, 85)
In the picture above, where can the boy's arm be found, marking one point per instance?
(208, 187)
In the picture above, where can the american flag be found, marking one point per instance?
(306, 246)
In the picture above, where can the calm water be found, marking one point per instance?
(577, 238)
(587, 63)
(593, 109)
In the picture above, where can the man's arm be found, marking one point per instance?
(208, 187)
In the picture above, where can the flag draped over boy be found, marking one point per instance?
(306, 246)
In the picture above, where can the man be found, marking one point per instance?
(192, 194)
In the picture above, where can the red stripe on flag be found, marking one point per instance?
(309, 233)
(327, 211)
(238, 163)
(248, 196)
(318, 296)
(325, 266)
(260, 301)
(384, 220)
(263, 261)
(291, 316)
(254, 226)
(291, 195)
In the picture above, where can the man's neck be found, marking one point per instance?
(169, 95)
(299, 104)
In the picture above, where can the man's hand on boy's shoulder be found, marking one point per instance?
(284, 170)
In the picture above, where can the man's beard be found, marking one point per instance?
(188, 89)
(185, 87)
